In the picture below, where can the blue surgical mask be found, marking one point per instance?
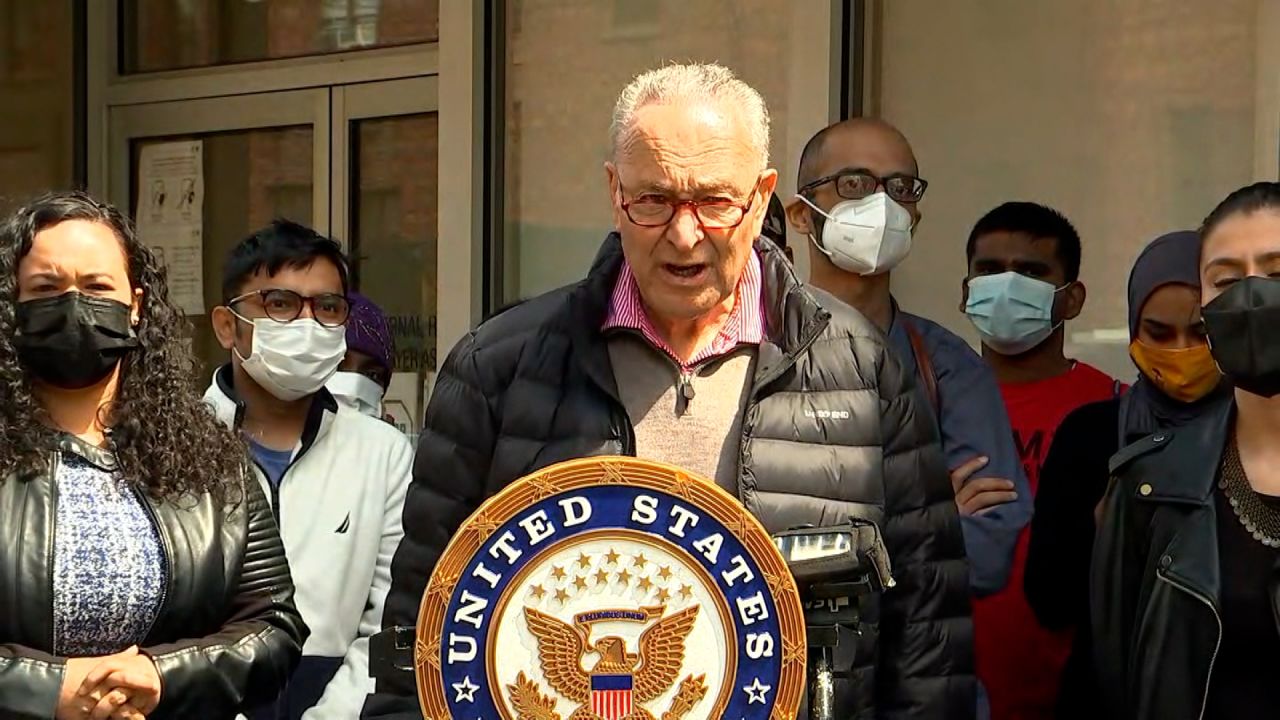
(1013, 313)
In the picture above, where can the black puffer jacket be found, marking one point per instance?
(227, 633)
(534, 386)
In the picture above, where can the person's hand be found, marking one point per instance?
(74, 706)
(71, 706)
(974, 496)
(123, 686)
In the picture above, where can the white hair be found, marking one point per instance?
(693, 83)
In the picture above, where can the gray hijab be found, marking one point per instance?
(1144, 409)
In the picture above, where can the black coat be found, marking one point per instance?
(1056, 582)
(534, 386)
(1156, 577)
(227, 633)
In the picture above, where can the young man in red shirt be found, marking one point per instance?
(1022, 287)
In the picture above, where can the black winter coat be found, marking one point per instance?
(1056, 581)
(227, 635)
(534, 386)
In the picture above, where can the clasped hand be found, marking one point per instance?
(124, 686)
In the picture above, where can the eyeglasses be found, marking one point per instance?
(329, 309)
(654, 210)
(857, 184)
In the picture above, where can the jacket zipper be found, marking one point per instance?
(629, 439)
(1204, 703)
(275, 488)
(684, 389)
(53, 531)
(801, 349)
(166, 562)
(752, 401)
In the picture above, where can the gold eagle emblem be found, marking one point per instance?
(653, 670)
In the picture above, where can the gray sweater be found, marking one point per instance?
(692, 418)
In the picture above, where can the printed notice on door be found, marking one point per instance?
(171, 216)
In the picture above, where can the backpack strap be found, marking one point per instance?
(924, 366)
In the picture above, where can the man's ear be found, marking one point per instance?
(224, 326)
(615, 195)
(1073, 300)
(798, 216)
(964, 293)
(760, 204)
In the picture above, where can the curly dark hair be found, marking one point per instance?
(165, 439)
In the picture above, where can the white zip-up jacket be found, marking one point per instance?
(339, 507)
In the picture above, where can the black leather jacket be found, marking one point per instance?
(1155, 590)
(227, 632)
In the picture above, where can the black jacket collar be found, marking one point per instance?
(103, 458)
(1177, 483)
(1193, 454)
(793, 316)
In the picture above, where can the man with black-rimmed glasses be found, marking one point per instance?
(858, 204)
(336, 477)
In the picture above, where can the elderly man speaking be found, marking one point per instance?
(692, 342)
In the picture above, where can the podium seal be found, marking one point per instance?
(610, 589)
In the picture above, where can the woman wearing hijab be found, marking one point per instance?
(1177, 380)
(1183, 592)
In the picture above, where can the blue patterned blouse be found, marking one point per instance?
(108, 567)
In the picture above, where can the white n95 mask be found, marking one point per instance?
(294, 359)
(868, 236)
(358, 392)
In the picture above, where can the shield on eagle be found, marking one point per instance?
(611, 696)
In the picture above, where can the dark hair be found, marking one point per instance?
(775, 223)
(817, 145)
(283, 243)
(810, 154)
(1245, 201)
(165, 439)
(1040, 222)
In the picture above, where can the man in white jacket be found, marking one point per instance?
(336, 477)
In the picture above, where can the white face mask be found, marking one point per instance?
(294, 359)
(868, 236)
(358, 392)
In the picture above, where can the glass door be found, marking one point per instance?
(358, 162)
(385, 137)
(199, 175)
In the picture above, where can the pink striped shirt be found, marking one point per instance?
(745, 323)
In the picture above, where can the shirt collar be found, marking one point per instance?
(745, 324)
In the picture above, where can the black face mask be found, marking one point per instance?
(1243, 324)
(72, 341)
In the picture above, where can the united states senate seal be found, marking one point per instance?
(610, 589)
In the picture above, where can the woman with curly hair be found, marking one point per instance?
(140, 575)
